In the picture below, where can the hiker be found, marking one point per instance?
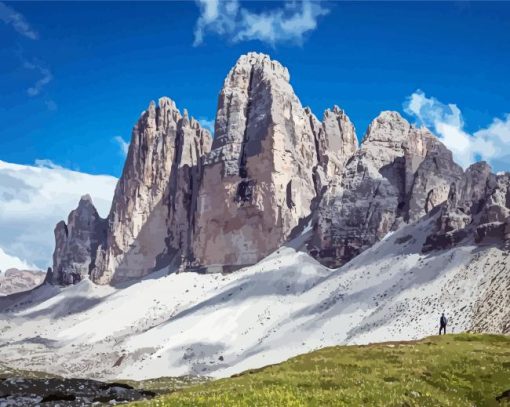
(442, 324)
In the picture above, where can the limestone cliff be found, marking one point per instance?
(258, 182)
(398, 175)
(147, 223)
(477, 211)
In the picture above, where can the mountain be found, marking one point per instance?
(278, 237)
(14, 280)
(197, 204)
(398, 174)
(193, 203)
(261, 177)
(33, 198)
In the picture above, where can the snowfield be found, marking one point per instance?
(287, 304)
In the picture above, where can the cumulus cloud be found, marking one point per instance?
(34, 198)
(46, 77)
(123, 145)
(287, 23)
(11, 17)
(491, 144)
(207, 124)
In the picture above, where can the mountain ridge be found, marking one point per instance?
(195, 203)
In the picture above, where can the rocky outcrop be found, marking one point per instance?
(477, 208)
(150, 215)
(15, 281)
(398, 175)
(431, 180)
(76, 243)
(258, 182)
(57, 391)
(335, 140)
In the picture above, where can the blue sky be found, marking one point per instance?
(74, 77)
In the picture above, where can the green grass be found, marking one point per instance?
(453, 370)
(166, 384)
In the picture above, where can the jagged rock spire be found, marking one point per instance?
(270, 163)
(141, 224)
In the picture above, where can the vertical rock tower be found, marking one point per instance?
(258, 182)
(147, 224)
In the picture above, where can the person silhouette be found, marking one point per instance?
(442, 324)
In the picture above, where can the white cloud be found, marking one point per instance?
(491, 144)
(123, 145)
(11, 17)
(7, 262)
(287, 23)
(34, 198)
(46, 77)
(207, 124)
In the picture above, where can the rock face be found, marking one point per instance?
(15, 280)
(150, 216)
(258, 182)
(76, 243)
(398, 175)
(478, 208)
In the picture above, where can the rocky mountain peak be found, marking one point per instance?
(164, 151)
(85, 200)
(260, 169)
(389, 129)
(260, 62)
(218, 205)
(399, 174)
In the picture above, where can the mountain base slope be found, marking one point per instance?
(287, 304)
(453, 370)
